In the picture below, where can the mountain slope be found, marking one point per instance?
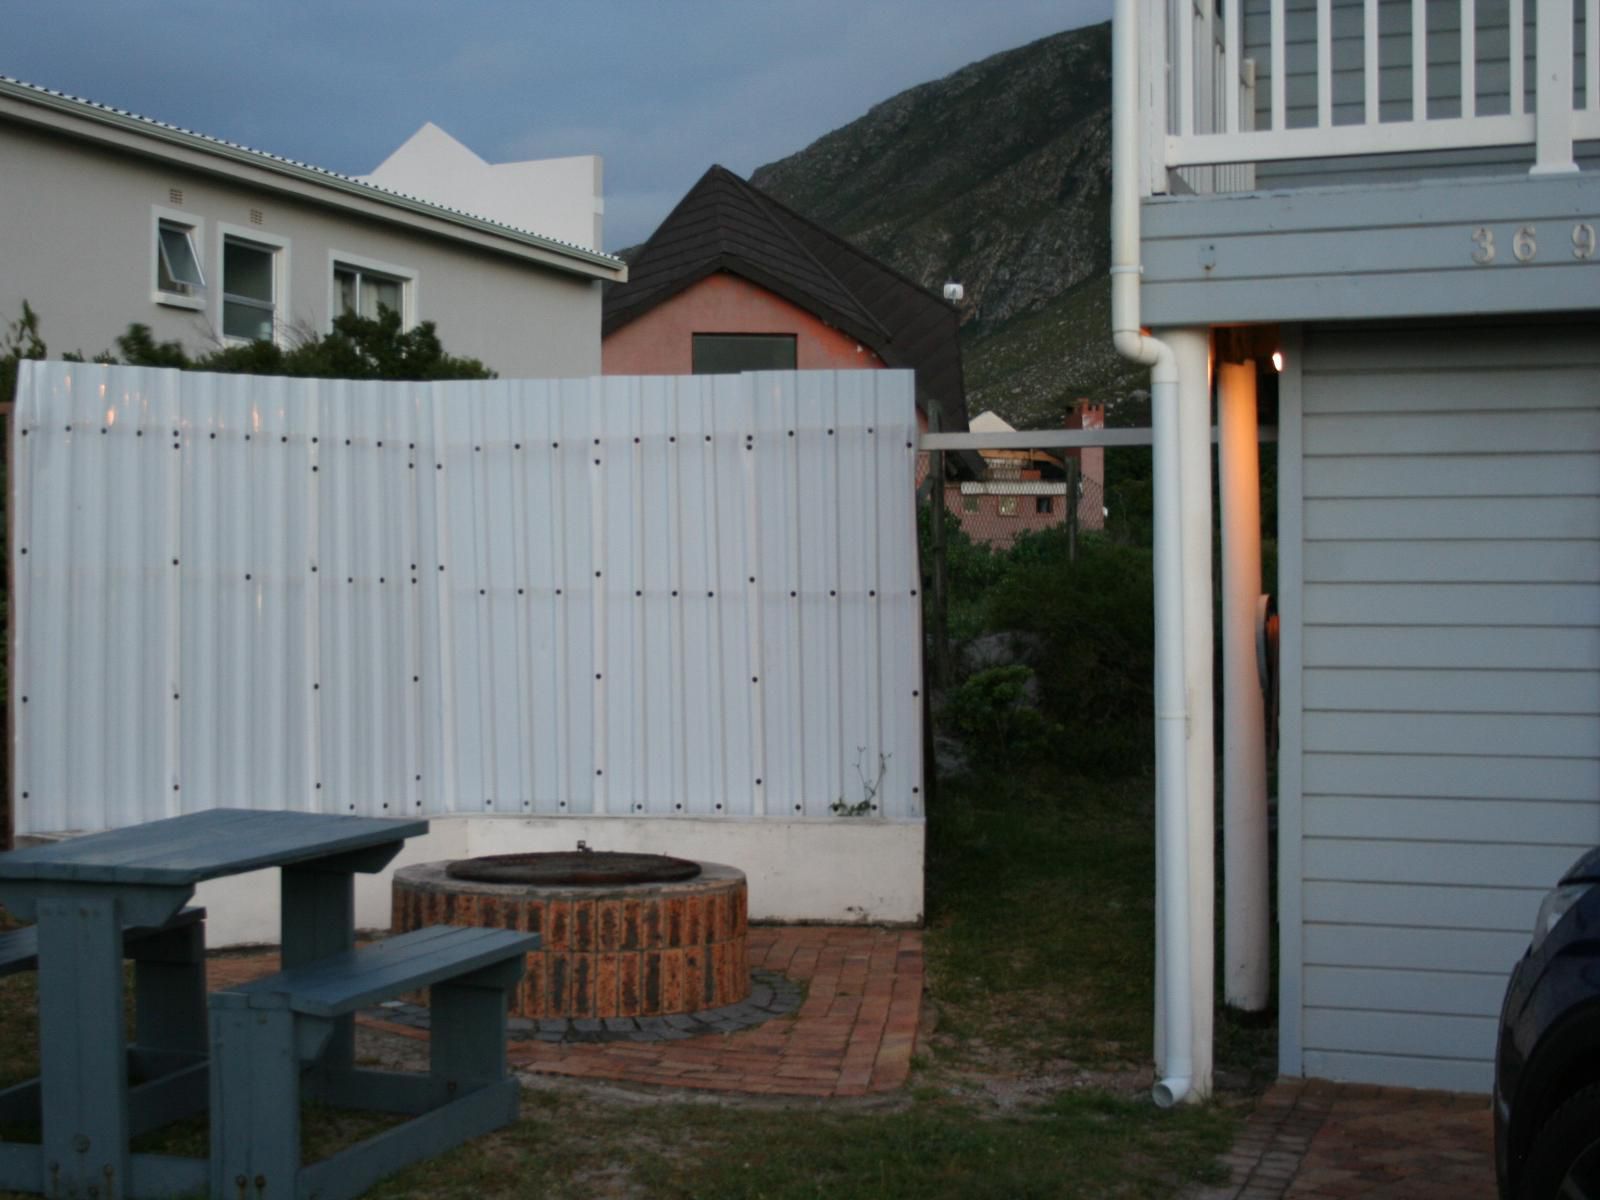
(997, 176)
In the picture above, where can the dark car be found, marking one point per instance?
(1547, 1063)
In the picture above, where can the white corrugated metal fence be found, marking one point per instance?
(662, 596)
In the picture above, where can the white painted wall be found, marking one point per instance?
(557, 197)
(77, 237)
(841, 872)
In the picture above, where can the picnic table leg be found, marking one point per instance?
(255, 1101)
(169, 988)
(319, 919)
(82, 1051)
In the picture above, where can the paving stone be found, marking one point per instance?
(857, 962)
(621, 1025)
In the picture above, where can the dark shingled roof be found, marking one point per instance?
(725, 224)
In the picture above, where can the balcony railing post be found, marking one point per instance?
(1154, 94)
(1553, 65)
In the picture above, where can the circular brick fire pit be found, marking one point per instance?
(609, 949)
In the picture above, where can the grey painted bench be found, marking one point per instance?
(169, 1042)
(267, 1037)
(19, 948)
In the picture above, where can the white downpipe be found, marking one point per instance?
(1192, 349)
(1246, 932)
(1174, 1034)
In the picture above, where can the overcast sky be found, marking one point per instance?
(660, 88)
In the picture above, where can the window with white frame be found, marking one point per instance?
(249, 289)
(175, 251)
(364, 291)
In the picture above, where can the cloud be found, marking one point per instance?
(661, 90)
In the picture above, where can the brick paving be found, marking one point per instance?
(1315, 1140)
(852, 1036)
(854, 1033)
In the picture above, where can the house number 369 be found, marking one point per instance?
(1525, 243)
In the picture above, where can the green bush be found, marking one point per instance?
(971, 570)
(1093, 621)
(357, 348)
(996, 718)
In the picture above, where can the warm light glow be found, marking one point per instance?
(111, 417)
(1277, 361)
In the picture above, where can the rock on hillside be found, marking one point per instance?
(999, 176)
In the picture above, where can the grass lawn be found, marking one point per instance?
(1031, 1081)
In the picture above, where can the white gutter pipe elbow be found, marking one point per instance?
(1170, 1091)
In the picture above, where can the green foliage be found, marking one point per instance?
(21, 341)
(971, 569)
(994, 715)
(357, 348)
(1094, 624)
(1089, 627)
(869, 788)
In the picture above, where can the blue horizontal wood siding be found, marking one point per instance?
(1444, 766)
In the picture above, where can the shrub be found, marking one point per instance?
(357, 348)
(1095, 655)
(996, 716)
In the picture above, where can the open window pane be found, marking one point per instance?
(177, 266)
(730, 353)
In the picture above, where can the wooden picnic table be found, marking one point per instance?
(83, 892)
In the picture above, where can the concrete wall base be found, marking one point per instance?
(846, 871)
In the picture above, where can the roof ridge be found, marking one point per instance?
(844, 242)
(97, 107)
(762, 202)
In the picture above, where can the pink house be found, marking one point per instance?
(1023, 491)
(735, 281)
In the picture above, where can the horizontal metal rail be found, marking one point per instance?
(1052, 439)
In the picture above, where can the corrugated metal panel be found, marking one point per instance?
(631, 596)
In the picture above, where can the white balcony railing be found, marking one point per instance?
(1230, 85)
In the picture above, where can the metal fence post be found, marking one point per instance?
(1072, 499)
(939, 632)
(8, 625)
